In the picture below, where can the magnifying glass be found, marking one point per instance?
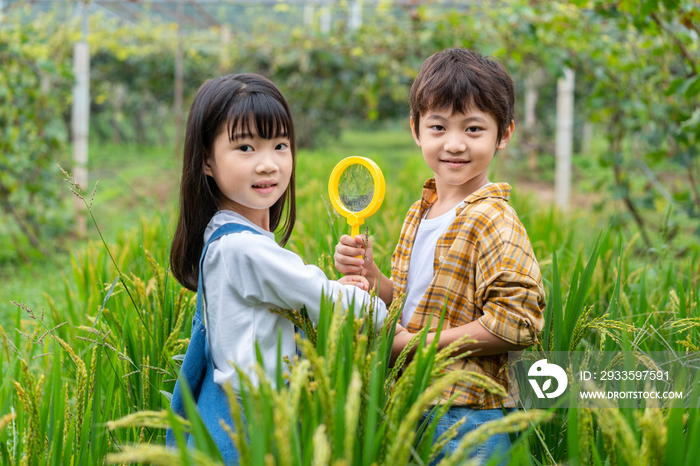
(356, 188)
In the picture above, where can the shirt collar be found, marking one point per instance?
(490, 191)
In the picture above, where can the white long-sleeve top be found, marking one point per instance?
(244, 276)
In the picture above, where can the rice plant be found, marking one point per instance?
(85, 381)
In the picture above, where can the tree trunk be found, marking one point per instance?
(616, 151)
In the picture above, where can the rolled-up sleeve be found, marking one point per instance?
(513, 308)
(509, 288)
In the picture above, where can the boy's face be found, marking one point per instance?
(459, 147)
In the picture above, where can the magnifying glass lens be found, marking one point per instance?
(356, 188)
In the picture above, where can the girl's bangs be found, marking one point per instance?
(259, 113)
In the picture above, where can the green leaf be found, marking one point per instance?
(692, 87)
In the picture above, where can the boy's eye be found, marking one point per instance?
(245, 148)
(473, 129)
(438, 128)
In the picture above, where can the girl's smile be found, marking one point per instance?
(265, 186)
(251, 172)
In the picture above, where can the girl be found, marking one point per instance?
(237, 188)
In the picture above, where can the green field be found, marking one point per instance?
(611, 294)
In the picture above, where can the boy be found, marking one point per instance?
(462, 244)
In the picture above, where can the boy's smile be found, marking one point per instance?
(458, 147)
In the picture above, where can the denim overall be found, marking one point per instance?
(198, 372)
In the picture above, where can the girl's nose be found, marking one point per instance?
(267, 163)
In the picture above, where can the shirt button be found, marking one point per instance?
(441, 258)
(461, 204)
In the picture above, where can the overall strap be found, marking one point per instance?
(223, 230)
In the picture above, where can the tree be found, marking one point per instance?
(32, 136)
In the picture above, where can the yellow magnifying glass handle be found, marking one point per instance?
(357, 218)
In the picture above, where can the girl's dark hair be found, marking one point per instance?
(456, 79)
(228, 103)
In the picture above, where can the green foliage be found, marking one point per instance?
(636, 72)
(32, 139)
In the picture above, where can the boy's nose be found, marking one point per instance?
(455, 144)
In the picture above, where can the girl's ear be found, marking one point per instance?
(507, 134)
(413, 130)
(207, 167)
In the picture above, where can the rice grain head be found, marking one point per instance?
(654, 434)
(511, 423)
(158, 455)
(586, 433)
(6, 419)
(322, 447)
(620, 436)
(282, 431)
(150, 419)
(399, 449)
(352, 413)
(444, 439)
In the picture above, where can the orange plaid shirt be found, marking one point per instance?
(484, 269)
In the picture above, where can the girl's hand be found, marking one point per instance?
(351, 256)
(401, 339)
(355, 280)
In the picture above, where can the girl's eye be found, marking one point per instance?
(282, 146)
(245, 148)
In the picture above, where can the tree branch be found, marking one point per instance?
(678, 42)
(616, 148)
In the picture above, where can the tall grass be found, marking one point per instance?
(91, 376)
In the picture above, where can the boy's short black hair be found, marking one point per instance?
(459, 78)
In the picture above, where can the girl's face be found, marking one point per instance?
(251, 172)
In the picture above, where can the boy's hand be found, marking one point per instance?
(356, 280)
(351, 256)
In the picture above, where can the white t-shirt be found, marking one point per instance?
(420, 269)
(244, 276)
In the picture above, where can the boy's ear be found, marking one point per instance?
(507, 134)
(413, 130)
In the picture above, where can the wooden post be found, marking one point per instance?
(179, 83)
(81, 121)
(326, 19)
(308, 15)
(564, 138)
(529, 137)
(355, 15)
(225, 57)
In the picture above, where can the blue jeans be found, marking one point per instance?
(494, 446)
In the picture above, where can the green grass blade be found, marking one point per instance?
(202, 439)
(557, 307)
